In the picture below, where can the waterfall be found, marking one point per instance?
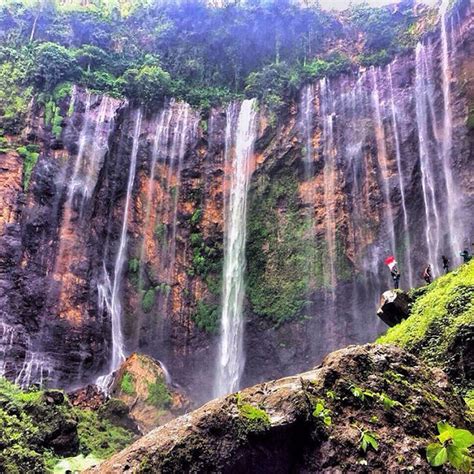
(230, 362)
(171, 154)
(7, 334)
(328, 115)
(382, 160)
(428, 153)
(452, 198)
(398, 155)
(160, 144)
(306, 126)
(109, 291)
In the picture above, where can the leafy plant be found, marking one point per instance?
(322, 413)
(368, 440)
(452, 447)
(362, 393)
(387, 402)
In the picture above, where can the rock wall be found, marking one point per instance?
(339, 181)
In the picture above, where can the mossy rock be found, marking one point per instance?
(440, 328)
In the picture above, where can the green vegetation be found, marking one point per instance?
(281, 256)
(206, 316)
(453, 447)
(256, 419)
(441, 312)
(368, 440)
(127, 385)
(322, 413)
(30, 155)
(158, 394)
(99, 437)
(147, 50)
(148, 300)
(32, 424)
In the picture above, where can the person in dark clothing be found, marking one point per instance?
(465, 255)
(395, 276)
(445, 263)
(427, 275)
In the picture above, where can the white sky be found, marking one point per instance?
(342, 4)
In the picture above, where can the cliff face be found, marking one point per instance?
(116, 241)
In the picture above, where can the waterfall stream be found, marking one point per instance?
(110, 290)
(230, 362)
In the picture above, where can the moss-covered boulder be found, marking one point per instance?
(38, 428)
(140, 383)
(440, 328)
(369, 408)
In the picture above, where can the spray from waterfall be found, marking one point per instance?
(109, 291)
(238, 156)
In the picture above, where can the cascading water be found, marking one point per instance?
(383, 163)
(455, 231)
(160, 145)
(109, 291)
(173, 149)
(230, 361)
(328, 115)
(396, 135)
(428, 151)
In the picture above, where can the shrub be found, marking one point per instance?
(206, 316)
(148, 300)
(148, 84)
(127, 384)
(53, 64)
(158, 394)
(30, 156)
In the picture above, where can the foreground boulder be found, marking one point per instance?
(366, 408)
(394, 307)
(141, 383)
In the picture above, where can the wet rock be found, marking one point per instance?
(394, 307)
(118, 413)
(87, 397)
(142, 385)
(273, 427)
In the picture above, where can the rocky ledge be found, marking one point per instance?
(366, 408)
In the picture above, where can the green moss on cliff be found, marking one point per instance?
(30, 155)
(158, 394)
(441, 319)
(279, 248)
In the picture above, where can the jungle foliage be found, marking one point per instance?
(192, 50)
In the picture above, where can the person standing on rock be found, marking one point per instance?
(445, 263)
(394, 271)
(427, 275)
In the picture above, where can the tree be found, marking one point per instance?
(53, 64)
(149, 84)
